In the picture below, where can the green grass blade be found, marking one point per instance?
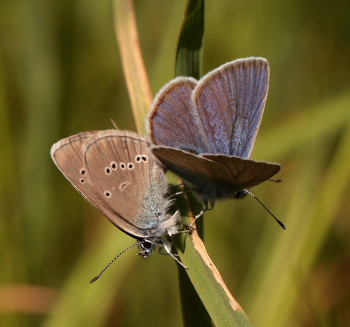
(222, 308)
(189, 48)
(207, 287)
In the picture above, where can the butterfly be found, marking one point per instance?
(118, 174)
(204, 130)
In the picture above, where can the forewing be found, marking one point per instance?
(120, 164)
(230, 102)
(171, 120)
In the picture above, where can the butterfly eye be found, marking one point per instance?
(147, 244)
(82, 181)
(122, 165)
(113, 165)
(144, 158)
(108, 194)
(108, 170)
(131, 166)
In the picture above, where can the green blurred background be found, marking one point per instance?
(60, 74)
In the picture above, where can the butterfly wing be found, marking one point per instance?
(245, 173)
(230, 102)
(120, 172)
(68, 155)
(215, 176)
(200, 173)
(127, 180)
(171, 120)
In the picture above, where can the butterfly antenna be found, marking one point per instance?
(105, 268)
(278, 221)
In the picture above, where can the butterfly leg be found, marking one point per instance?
(189, 229)
(167, 247)
(201, 213)
(181, 192)
(161, 251)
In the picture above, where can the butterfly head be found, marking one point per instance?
(146, 246)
